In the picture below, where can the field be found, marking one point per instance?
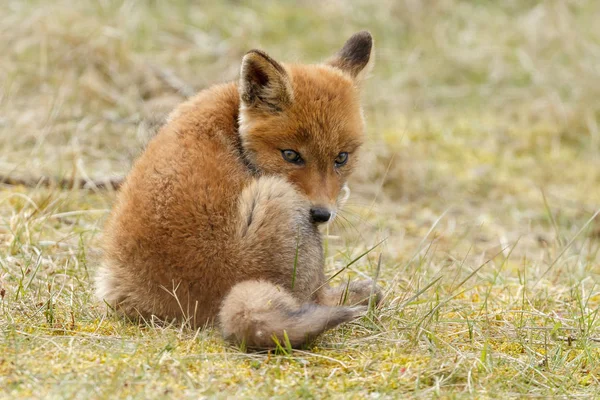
(476, 204)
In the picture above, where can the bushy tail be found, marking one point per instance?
(254, 312)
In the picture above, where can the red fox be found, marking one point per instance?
(218, 219)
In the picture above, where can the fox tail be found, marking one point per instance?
(258, 313)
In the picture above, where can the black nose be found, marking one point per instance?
(318, 215)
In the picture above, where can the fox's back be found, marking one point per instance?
(173, 215)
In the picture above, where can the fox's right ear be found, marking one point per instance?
(264, 83)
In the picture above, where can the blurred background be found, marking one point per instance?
(480, 106)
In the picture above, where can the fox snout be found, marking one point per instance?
(323, 212)
(319, 214)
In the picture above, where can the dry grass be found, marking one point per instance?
(482, 175)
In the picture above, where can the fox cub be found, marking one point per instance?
(218, 219)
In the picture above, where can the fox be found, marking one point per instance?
(218, 222)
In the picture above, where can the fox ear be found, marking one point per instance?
(264, 83)
(356, 57)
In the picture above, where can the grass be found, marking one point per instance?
(481, 176)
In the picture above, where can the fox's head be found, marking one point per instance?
(305, 121)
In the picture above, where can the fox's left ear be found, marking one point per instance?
(356, 57)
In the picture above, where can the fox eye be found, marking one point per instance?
(292, 156)
(341, 159)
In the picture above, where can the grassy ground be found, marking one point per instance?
(482, 174)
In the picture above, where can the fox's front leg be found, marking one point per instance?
(354, 293)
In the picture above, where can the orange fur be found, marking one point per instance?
(212, 222)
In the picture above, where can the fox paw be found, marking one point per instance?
(359, 292)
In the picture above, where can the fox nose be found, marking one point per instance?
(319, 214)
